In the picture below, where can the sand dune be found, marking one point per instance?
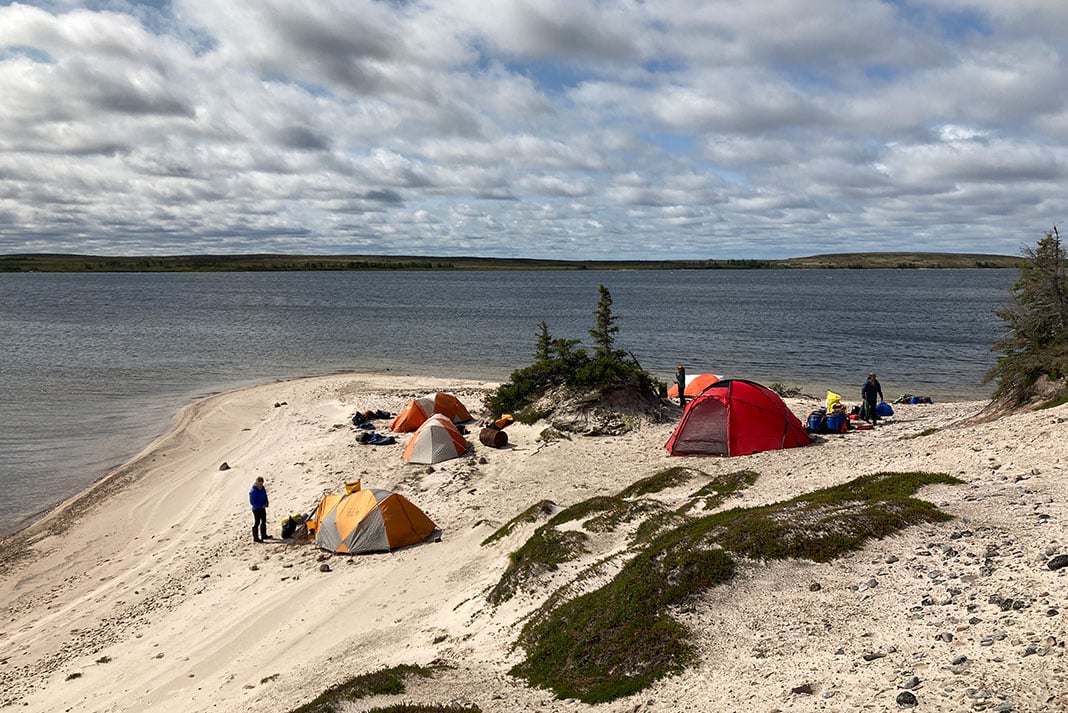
(147, 593)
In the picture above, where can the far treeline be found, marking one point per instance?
(257, 263)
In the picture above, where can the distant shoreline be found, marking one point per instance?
(41, 262)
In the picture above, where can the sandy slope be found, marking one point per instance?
(146, 593)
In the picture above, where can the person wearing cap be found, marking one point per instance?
(871, 393)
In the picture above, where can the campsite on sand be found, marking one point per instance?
(146, 592)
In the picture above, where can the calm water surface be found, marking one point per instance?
(94, 366)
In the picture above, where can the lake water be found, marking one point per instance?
(94, 366)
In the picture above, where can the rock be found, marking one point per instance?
(891, 559)
(872, 655)
(226, 466)
(911, 683)
(1058, 562)
(959, 660)
(906, 699)
(815, 587)
(254, 567)
(803, 688)
(324, 567)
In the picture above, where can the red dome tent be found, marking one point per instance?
(735, 417)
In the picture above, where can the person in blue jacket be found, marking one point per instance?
(257, 497)
(872, 394)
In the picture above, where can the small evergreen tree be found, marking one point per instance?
(605, 327)
(1037, 321)
(543, 348)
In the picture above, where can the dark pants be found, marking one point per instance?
(259, 524)
(872, 414)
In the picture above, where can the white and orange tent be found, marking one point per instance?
(369, 520)
(694, 385)
(437, 439)
(419, 410)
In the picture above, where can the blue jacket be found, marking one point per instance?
(257, 497)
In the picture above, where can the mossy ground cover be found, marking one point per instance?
(543, 508)
(618, 639)
(387, 681)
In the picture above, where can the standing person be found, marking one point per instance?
(257, 497)
(872, 394)
(680, 379)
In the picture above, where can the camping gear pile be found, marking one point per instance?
(836, 418)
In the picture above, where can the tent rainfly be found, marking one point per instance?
(419, 410)
(434, 441)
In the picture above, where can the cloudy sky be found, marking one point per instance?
(592, 129)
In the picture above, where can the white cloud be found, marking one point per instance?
(552, 128)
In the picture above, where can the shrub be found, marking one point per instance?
(563, 362)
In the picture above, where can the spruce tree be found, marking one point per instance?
(1037, 321)
(606, 327)
(543, 348)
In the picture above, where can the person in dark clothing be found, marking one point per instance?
(680, 379)
(871, 393)
(257, 497)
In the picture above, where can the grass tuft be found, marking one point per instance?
(668, 478)
(545, 551)
(387, 681)
(426, 708)
(543, 508)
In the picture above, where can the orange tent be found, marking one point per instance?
(419, 410)
(694, 385)
(437, 439)
(369, 520)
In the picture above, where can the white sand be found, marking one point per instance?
(146, 593)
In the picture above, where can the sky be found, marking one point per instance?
(561, 129)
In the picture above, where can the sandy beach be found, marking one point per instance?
(146, 593)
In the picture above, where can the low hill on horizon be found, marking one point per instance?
(43, 262)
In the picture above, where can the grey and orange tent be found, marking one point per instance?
(437, 439)
(370, 520)
(419, 410)
(734, 417)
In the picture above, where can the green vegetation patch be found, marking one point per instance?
(721, 487)
(545, 551)
(628, 511)
(387, 681)
(824, 524)
(426, 708)
(582, 510)
(548, 435)
(543, 508)
(667, 478)
(620, 638)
